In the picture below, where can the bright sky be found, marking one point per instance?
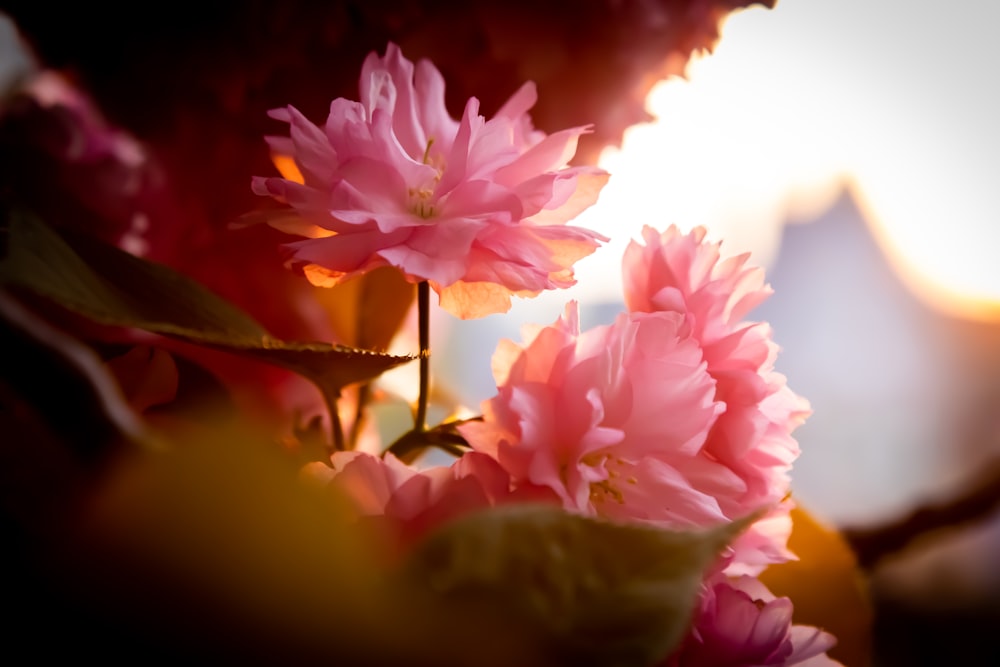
(898, 98)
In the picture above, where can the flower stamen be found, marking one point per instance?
(422, 206)
(600, 491)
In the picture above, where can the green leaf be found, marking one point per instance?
(112, 287)
(594, 592)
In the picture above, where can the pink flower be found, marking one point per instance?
(739, 623)
(613, 420)
(476, 207)
(683, 274)
(672, 416)
(406, 502)
(678, 273)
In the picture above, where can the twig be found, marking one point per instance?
(423, 310)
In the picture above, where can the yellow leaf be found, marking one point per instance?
(827, 588)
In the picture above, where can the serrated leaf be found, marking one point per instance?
(595, 592)
(112, 287)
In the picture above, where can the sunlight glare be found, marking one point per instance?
(801, 101)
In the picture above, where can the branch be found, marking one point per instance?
(980, 499)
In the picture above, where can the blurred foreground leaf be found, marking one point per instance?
(113, 287)
(215, 552)
(591, 592)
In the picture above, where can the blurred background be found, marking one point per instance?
(851, 146)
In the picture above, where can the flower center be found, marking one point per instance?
(420, 202)
(421, 197)
(608, 489)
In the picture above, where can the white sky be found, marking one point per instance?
(899, 98)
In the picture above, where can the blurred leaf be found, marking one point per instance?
(367, 312)
(64, 385)
(826, 587)
(591, 591)
(216, 552)
(222, 534)
(112, 287)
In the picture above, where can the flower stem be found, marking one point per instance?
(423, 333)
(364, 393)
(336, 428)
(412, 444)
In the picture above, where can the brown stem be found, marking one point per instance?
(423, 333)
(364, 394)
(336, 428)
(444, 436)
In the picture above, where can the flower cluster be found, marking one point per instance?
(671, 416)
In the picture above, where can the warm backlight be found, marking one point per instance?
(803, 100)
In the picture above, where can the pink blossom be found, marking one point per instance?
(683, 274)
(739, 623)
(614, 420)
(406, 502)
(477, 207)
(672, 416)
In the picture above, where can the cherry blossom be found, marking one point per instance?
(739, 623)
(672, 414)
(405, 502)
(476, 207)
